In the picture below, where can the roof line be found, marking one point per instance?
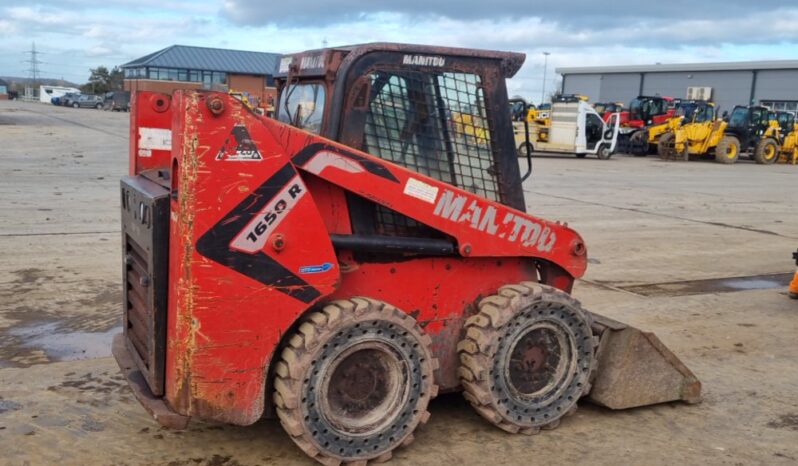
(671, 67)
(148, 58)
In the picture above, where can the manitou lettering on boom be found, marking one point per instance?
(481, 217)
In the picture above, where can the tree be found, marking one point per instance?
(101, 80)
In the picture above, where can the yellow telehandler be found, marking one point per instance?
(699, 138)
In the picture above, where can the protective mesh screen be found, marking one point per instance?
(436, 125)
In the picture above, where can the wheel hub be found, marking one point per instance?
(365, 387)
(537, 360)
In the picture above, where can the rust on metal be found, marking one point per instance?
(636, 369)
(154, 405)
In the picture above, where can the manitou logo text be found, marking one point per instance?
(423, 60)
(482, 217)
(311, 62)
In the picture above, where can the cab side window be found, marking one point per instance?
(435, 124)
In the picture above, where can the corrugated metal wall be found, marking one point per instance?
(729, 88)
(776, 85)
(621, 87)
(585, 84)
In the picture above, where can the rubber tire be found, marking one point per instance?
(482, 349)
(726, 142)
(522, 149)
(99, 106)
(604, 152)
(322, 336)
(75, 105)
(760, 153)
(636, 143)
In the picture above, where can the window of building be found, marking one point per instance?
(135, 72)
(790, 106)
(208, 78)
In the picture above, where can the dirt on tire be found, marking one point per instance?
(518, 401)
(317, 414)
(728, 150)
(767, 151)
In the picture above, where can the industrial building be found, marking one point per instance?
(771, 83)
(187, 67)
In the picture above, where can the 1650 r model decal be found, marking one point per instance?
(228, 241)
(253, 237)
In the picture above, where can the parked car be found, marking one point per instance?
(118, 101)
(67, 99)
(88, 101)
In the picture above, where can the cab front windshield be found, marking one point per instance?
(302, 105)
(739, 117)
(643, 109)
(696, 113)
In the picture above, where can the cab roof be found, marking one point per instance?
(510, 62)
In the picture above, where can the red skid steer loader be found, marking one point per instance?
(341, 265)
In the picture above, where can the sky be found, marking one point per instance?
(75, 35)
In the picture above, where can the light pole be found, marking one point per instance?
(545, 65)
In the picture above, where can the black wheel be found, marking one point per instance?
(604, 152)
(98, 106)
(727, 150)
(527, 357)
(354, 382)
(767, 151)
(75, 105)
(523, 147)
(638, 143)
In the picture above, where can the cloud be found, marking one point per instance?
(574, 13)
(79, 34)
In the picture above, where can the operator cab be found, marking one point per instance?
(436, 110)
(696, 111)
(748, 124)
(645, 108)
(786, 121)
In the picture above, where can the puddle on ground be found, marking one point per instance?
(64, 345)
(753, 283)
(713, 285)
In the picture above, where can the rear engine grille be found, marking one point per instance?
(145, 236)
(139, 315)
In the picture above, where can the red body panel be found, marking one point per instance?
(150, 122)
(250, 250)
